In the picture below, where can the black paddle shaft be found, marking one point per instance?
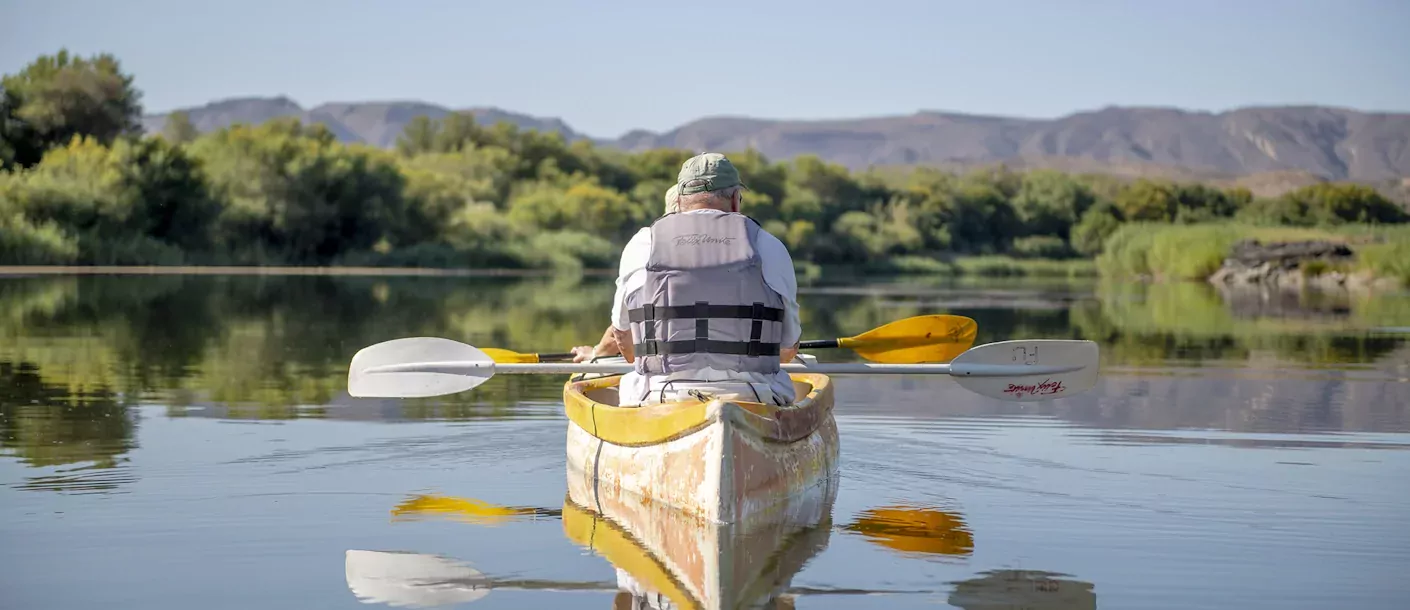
(815, 344)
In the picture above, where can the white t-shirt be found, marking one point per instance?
(777, 267)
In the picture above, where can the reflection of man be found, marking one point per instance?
(706, 298)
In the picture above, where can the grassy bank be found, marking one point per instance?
(1196, 251)
(963, 266)
(807, 272)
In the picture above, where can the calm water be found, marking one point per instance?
(185, 442)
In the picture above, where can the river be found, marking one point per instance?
(187, 442)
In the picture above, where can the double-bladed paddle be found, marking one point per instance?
(1021, 371)
(914, 340)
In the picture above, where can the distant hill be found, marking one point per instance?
(375, 123)
(1295, 144)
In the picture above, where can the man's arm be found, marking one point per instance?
(606, 346)
(623, 338)
(617, 339)
(779, 275)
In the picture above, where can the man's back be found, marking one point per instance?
(708, 264)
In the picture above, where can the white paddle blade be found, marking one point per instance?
(999, 370)
(412, 580)
(421, 376)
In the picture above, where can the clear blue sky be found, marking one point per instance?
(609, 66)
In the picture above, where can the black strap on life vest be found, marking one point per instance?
(756, 311)
(701, 312)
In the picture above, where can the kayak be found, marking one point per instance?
(667, 559)
(719, 460)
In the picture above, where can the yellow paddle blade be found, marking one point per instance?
(461, 509)
(915, 530)
(504, 356)
(917, 340)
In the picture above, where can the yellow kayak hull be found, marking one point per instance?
(722, 461)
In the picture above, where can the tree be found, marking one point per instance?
(456, 131)
(1097, 224)
(166, 192)
(584, 206)
(18, 146)
(418, 137)
(1325, 204)
(1148, 200)
(294, 191)
(178, 128)
(61, 96)
(1330, 203)
(981, 220)
(139, 201)
(1049, 203)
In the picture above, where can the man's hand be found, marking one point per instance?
(607, 346)
(787, 354)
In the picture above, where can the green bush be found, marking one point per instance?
(1388, 258)
(1096, 225)
(1325, 204)
(25, 243)
(1003, 266)
(1041, 246)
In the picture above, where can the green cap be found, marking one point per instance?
(707, 172)
(671, 195)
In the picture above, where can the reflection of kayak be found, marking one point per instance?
(720, 460)
(667, 559)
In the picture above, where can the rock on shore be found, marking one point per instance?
(1295, 265)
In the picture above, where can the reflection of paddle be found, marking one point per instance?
(914, 340)
(915, 530)
(902, 528)
(412, 580)
(418, 580)
(466, 509)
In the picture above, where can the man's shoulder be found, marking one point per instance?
(771, 242)
(635, 253)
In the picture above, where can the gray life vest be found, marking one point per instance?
(705, 302)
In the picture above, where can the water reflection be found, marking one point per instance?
(915, 530)
(468, 510)
(663, 558)
(48, 425)
(419, 580)
(1031, 589)
(78, 353)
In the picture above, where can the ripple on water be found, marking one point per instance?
(88, 479)
(1248, 441)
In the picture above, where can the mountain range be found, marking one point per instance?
(1281, 144)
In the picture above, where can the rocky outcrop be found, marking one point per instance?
(1320, 264)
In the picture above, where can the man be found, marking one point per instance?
(706, 299)
(673, 195)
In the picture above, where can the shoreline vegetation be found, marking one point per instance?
(84, 190)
